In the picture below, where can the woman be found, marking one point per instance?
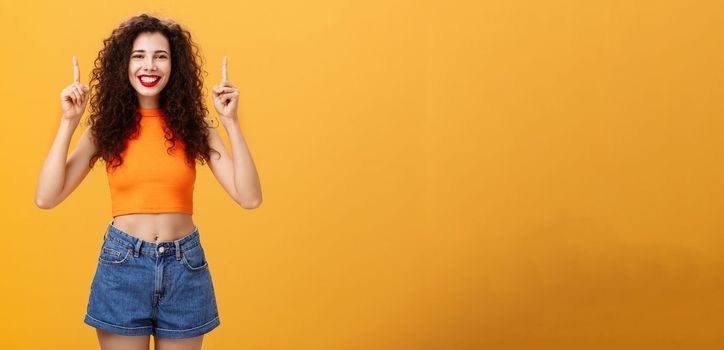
(149, 124)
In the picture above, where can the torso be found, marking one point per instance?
(155, 228)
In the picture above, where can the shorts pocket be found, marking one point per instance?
(195, 259)
(113, 253)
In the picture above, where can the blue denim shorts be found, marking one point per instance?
(162, 289)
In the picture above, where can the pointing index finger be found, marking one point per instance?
(224, 70)
(76, 70)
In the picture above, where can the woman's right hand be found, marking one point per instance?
(74, 97)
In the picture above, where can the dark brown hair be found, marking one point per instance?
(113, 114)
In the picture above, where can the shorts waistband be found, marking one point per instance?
(140, 246)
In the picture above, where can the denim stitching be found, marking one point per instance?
(188, 329)
(112, 325)
(112, 251)
(190, 248)
(184, 248)
(115, 262)
(186, 262)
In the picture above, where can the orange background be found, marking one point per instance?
(436, 175)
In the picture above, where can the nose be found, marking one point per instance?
(149, 65)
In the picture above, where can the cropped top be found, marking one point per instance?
(151, 180)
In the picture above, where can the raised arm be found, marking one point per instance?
(60, 176)
(236, 172)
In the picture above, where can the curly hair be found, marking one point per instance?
(114, 117)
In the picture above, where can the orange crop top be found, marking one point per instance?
(151, 180)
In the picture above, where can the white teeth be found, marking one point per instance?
(148, 79)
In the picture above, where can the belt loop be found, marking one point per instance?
(138, 247)
(105, 234)
(178, 250)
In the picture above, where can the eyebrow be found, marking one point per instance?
(164, 51)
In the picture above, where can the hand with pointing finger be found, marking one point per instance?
(74, 97)
(225, 95)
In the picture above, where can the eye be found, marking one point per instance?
(136, 56)
(162, 56)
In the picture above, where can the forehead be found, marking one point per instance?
(150, 42)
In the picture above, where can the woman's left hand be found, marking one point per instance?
(225, 95)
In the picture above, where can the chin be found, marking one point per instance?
(147, 93)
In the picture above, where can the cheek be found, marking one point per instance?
(132, 73)
(167, 73)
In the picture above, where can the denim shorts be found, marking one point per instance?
(162, 289)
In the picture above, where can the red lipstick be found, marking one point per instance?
(148, 82)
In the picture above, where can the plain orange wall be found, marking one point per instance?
(436, 175)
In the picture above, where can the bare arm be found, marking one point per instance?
(59, 177)
(224, 167)
(236, 173)
(246, 179)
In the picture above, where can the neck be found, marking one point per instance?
(148, 102)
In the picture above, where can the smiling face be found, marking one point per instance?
(149, 67)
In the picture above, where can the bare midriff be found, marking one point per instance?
(155, 228)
